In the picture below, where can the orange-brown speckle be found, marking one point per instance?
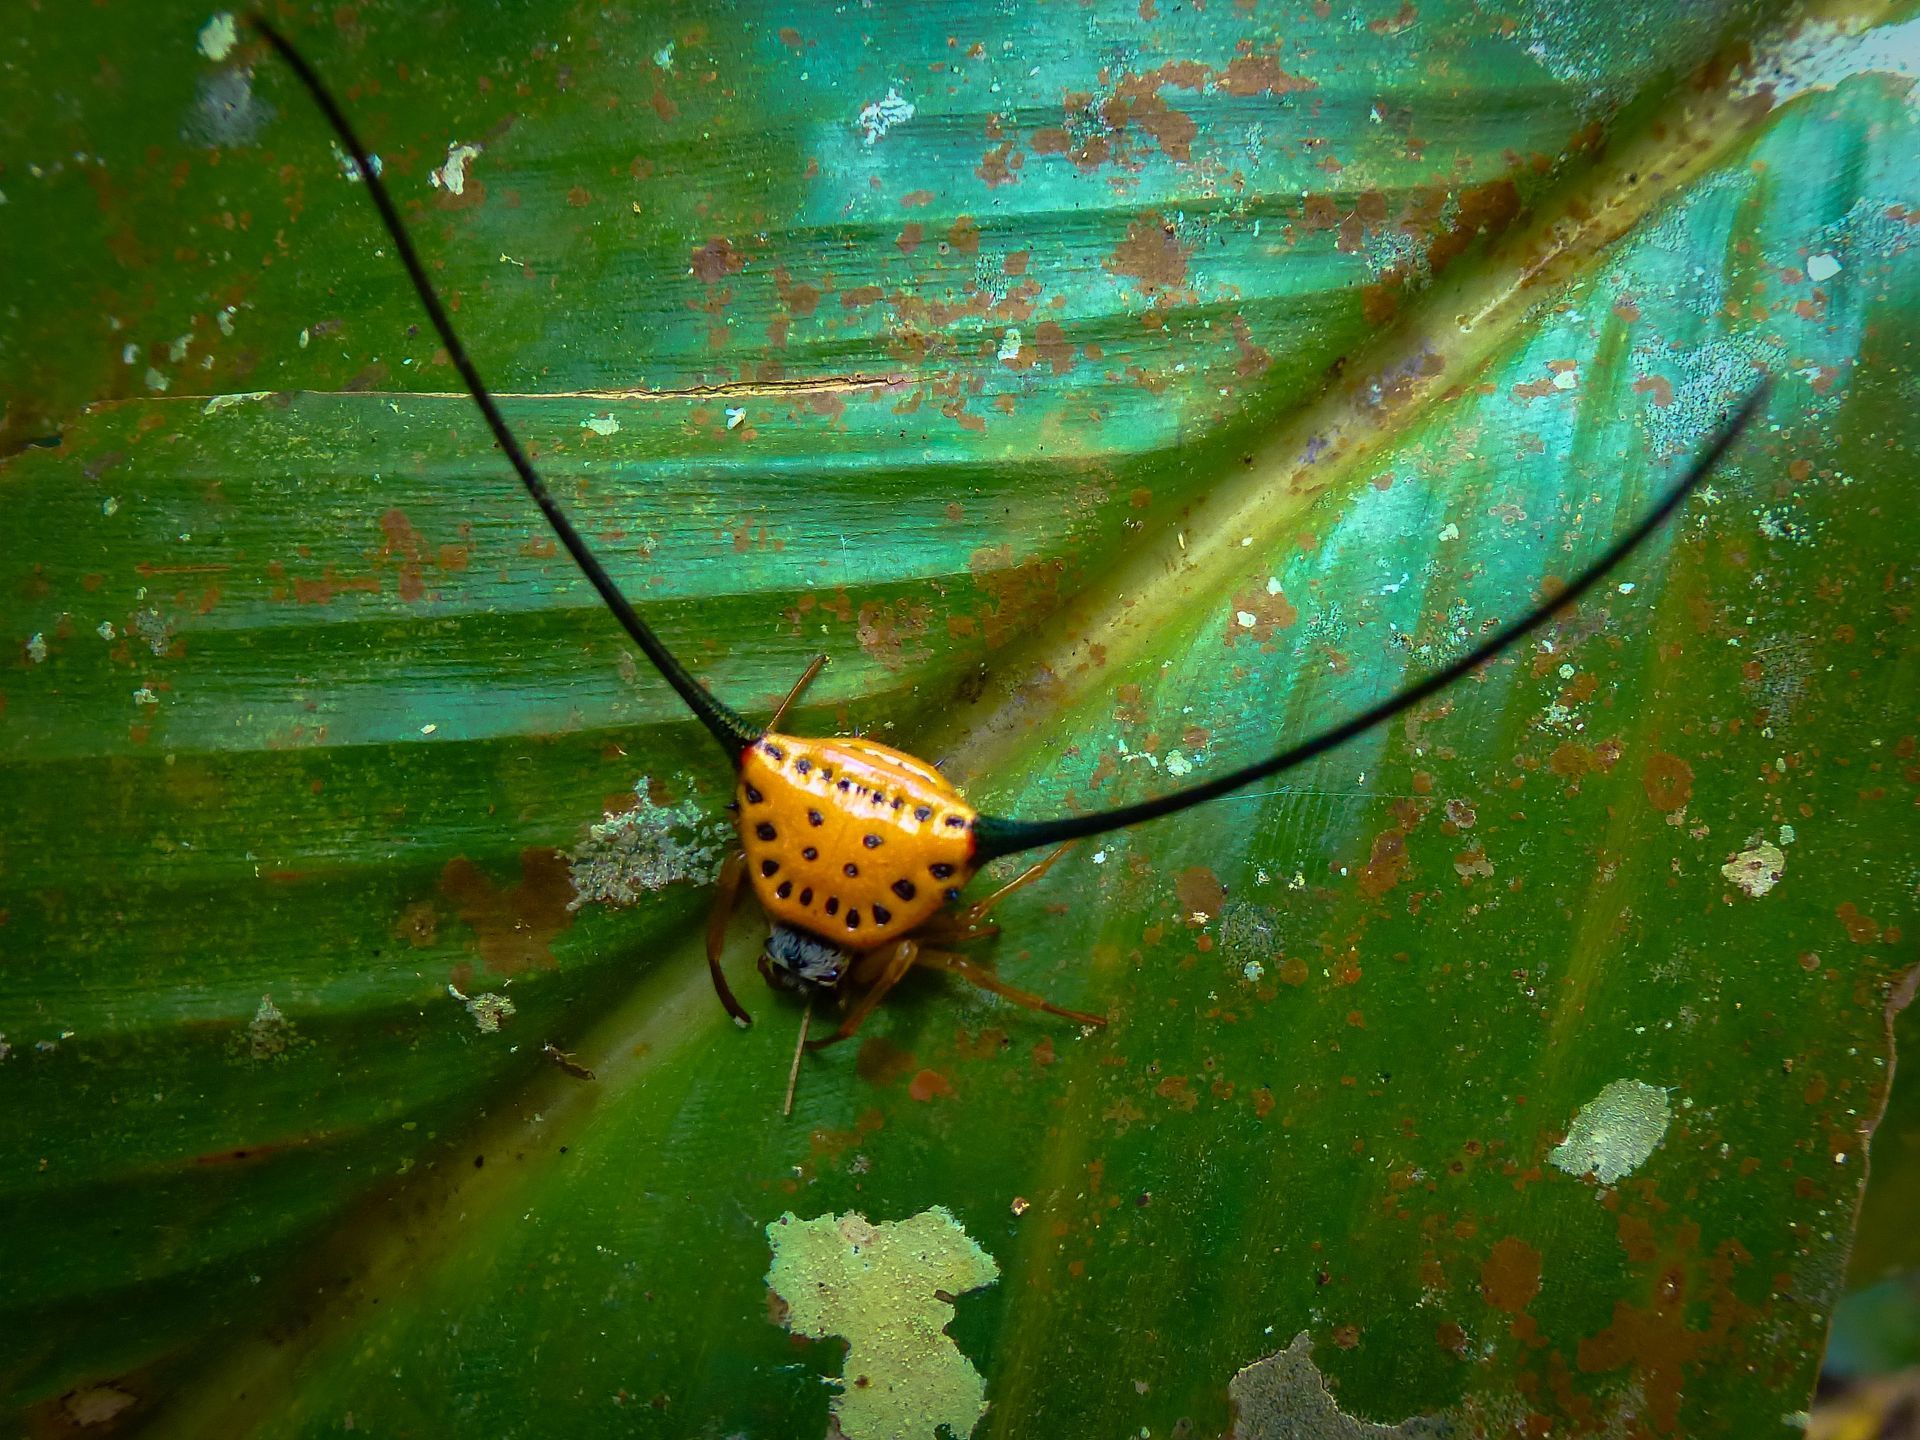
(1668, 781)
(1511, 1276)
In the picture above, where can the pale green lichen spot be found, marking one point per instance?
(878, 1287)
(1613, 1134)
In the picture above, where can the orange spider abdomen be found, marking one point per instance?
(855, 842)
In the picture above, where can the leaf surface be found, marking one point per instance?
(1114, 394)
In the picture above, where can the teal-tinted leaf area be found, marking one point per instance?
(927, 340)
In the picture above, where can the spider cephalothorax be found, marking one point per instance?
(794, 960)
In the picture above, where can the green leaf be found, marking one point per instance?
(1115, 394)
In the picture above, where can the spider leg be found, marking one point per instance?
(983, 977)
(892, 964)
(954, 930)
(968, 917)
(806, 679)
(726, 895)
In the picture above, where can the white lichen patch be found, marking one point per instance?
(1249, 936)
(225, 111)
(1284, 1396)
(218, 36)
(488, 1010)
(1009, 344)
(37, 647)
(452, 176)
(1757, 870)
(1821, 54)
(92, 1405)
(268, 1037)
(883, 114)
(1613, 1134)
(216, 403)
(154, 629)
(644, 849)
(601, 424)
(349, 170)
(887, 1290)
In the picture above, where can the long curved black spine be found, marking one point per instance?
(733, 733)
(994, 835)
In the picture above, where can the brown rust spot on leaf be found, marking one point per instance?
(1136, 101)
(1259, 75)
(1200, 893)
(418, 925)
(1510, 1278)
(403, 544)
(1151, 254)
(928, 1084)
(1861, 929)
(886, 628)
(1668, 781)
(1386, 864)
(1013, 596)
(996, 167)
(716, 260)
(881, 1062)
(513, 927)
(1572, 760)
(1176, 1089)
(1658, 386)
(1050, 344)
(1269, 610)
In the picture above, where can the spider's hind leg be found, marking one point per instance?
(983, 977)
(725, 896)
